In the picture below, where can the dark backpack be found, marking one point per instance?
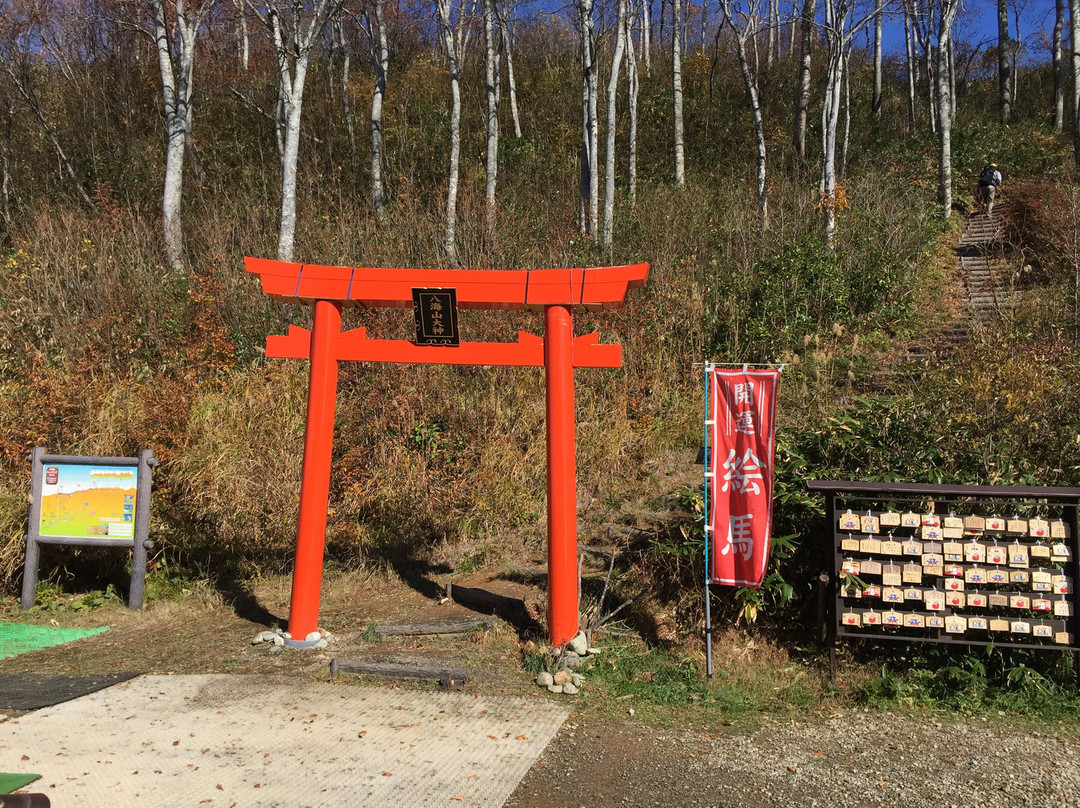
(989, 176)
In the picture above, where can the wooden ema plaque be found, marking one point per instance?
(972, 577)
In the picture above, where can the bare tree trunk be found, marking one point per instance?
(846, 78)
(951, 53)
(792, 26)
(773, 35)
(341, 44)
(1074, 30)
(5, 171)
(451, 45)
(632, 88)
(739, 38)
(677, 93)
(701, 24)
(912, 69)
(830, 115)
(295, 31)
(588, 211)
(802, 98)
(380, 60)
(177, 81)
(609, 154)
(491, 71)
(1014, 55)
(875, 101)
(1004, 71)
(504, 26)
(1058, 66)
(948, 14)
(646, 36)
(243, 45)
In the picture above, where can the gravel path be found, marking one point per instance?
(851, 758)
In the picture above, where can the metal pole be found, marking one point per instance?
(315, 478)
(705, 530)
(562, 476)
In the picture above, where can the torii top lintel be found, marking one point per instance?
(592, 288)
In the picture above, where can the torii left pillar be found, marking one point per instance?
(556, 292)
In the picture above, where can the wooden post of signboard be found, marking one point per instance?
(45, 471)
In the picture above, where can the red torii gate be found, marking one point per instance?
(556, 292)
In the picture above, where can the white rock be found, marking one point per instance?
(592, 650)
(256, 640)
(322, 643)
(279, 640)
(286, 635)
(575, 680)
(570, 689)
(545, 679)
(313, 637)
(579, 645)
(555, 688)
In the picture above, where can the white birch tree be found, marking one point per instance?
(609, 154)
(294, 29)
(646, 35)
(677, 93)
(243, 41)
(839, 32)
(491, 77)
(802, 93)
(742, 20)
(372, 22)
(912, 68)
(453, 45)
(633, 87)
(1057, 65)
(1004, 62)
(875, 99)
(947, 14)
(176, 27)
(1074, 31)
(504, 27)
(588, 209)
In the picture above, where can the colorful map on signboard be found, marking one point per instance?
(88, 501)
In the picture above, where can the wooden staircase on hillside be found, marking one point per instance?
(983, 274)
(984, 280)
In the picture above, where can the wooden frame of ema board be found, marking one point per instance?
(962, 565)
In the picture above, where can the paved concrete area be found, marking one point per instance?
(235, 741)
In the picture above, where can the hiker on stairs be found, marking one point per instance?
(986, 191)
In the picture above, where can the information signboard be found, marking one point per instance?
(88, 502)
(93, 502)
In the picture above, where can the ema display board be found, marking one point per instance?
(88, 502)
(955, 572)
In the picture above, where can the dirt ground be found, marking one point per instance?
(601, 756)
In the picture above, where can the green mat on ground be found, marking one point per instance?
(12, 782)
(16, 638)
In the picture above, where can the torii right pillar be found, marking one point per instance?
(562, 475)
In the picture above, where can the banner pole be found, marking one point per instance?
(705, 533)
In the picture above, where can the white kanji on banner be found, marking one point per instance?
(739, 473)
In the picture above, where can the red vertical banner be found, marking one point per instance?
(740, 423)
